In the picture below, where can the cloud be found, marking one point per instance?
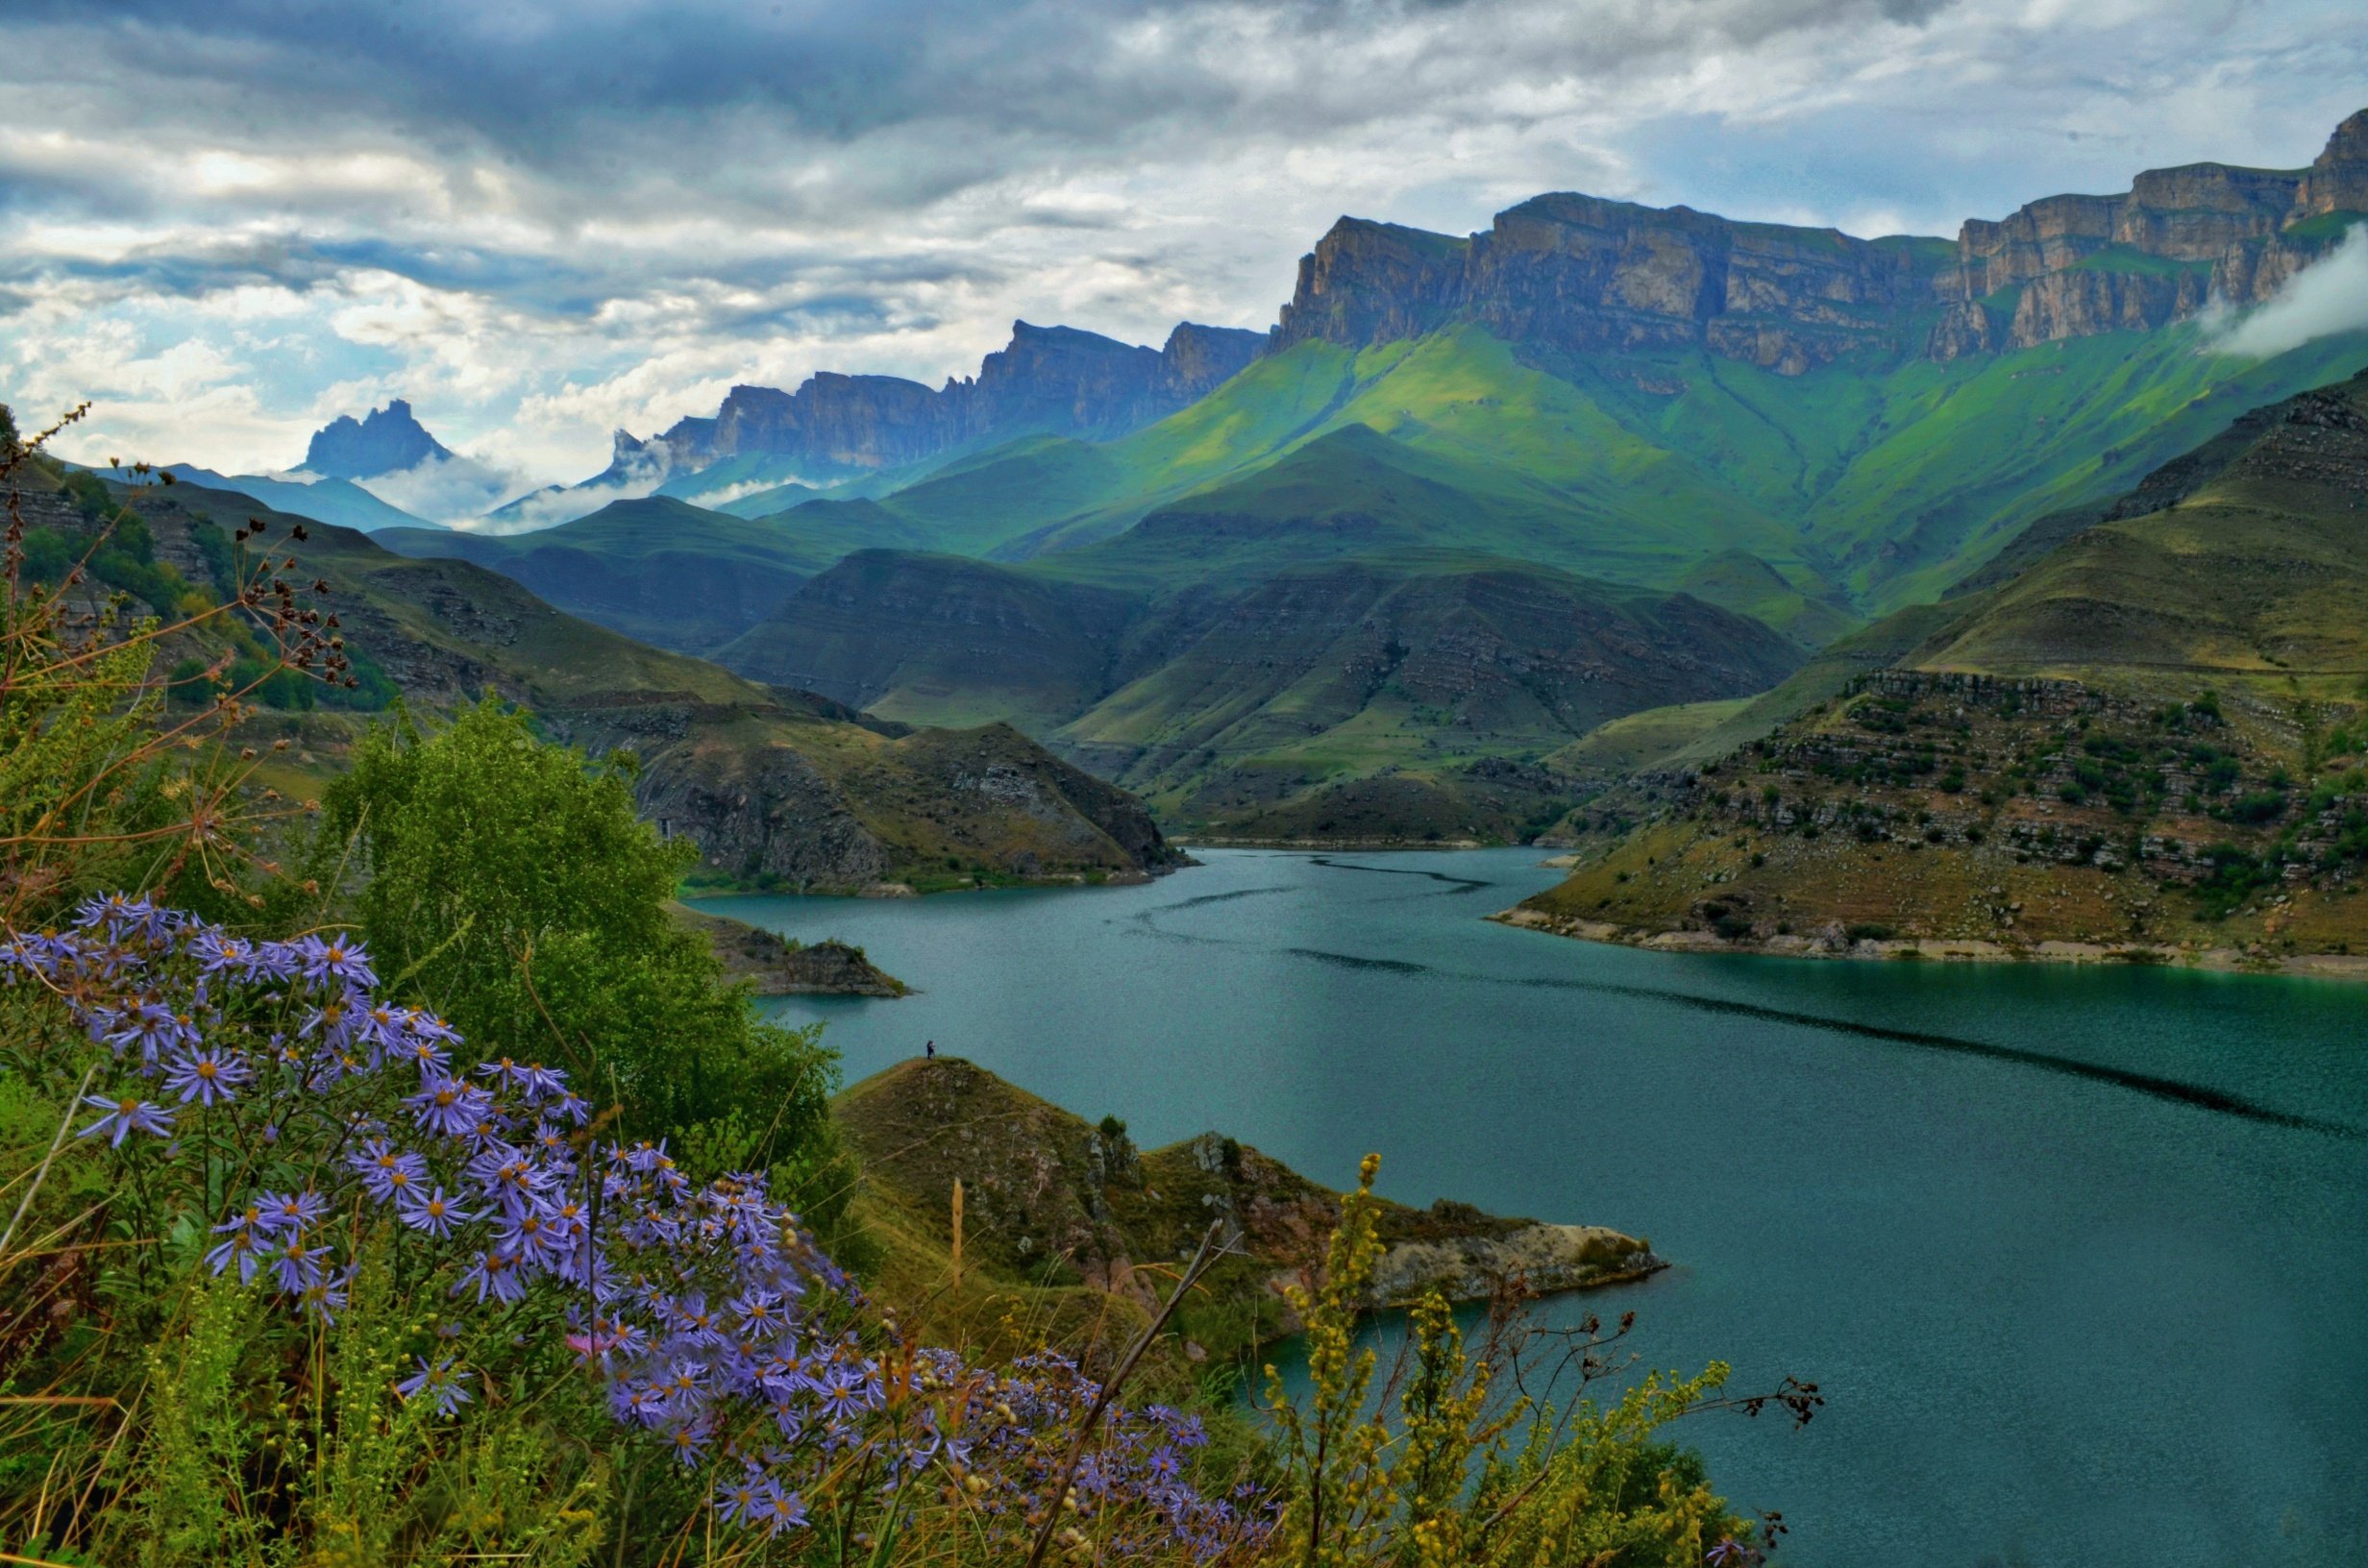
(547, 220)
(448, 489)
(2328, 297)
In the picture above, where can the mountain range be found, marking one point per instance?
(1468, 500)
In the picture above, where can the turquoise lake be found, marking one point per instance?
(2079, 1256)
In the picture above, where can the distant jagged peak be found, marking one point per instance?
(389, 441)
(1062, 380)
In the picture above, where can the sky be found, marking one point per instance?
(226, 223)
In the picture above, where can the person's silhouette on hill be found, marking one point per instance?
(932, 1050)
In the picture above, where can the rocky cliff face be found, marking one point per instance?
(2337, 182)
(1053, 378)
(387, 442)
(2071, 267)
(1577, 273)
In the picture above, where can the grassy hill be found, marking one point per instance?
(779, 787)
(2149, 741)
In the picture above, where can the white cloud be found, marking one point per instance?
(2328, 297)
(448, 489)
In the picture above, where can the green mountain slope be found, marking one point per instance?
(1884, 477)
(666, 572)
(941, 639)
(2151, 740)
(779, 787)
(1742, 583)
(1283, 670)
(1331, 674)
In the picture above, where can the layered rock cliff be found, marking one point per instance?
(1047, 379)
(2072, 266)
(1576, 273)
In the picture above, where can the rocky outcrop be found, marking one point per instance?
(1046, 378)
(387, 442)
(1374, 282)
(775, 965)
(1197, 360)
(767, 817)
(1532, 1259)
(2337, 180)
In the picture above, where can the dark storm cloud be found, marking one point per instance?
(618, 94)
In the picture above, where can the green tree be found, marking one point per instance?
(508, 883)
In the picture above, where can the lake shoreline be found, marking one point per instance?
(1946, 949)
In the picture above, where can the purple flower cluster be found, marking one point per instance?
(712, 1324)
(1019, 1422)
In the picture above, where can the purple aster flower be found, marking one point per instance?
(289, 1214)
(339, 958)
(493, 1274)
(325, 1299)
(240, 1246)
(760, 1312)
(298, 1267)
(530, 1239)
(782, 1510)
(207, 1076)
(387, 1170)
(746, 1497)
(155, 1029)
(440, 1383)
(424, 1052)
(688, 1443)
(843, 1393)
(217, 953)
(127, 1116)
(436, 1213)
(332, 1021)
(692, 1324)
(447, 1105)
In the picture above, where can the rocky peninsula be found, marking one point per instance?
(1068, 1218)
(775, 965)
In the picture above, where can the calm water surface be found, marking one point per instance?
(2076, 1255)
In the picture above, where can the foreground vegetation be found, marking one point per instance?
(395, 1182)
